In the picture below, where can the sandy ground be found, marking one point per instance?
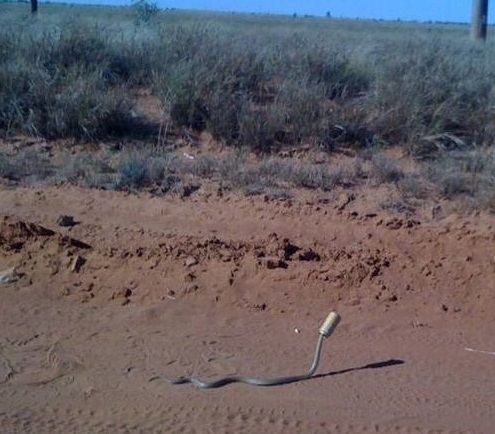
(214, 285)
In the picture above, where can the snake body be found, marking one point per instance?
(249, 380)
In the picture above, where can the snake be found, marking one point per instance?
(326, 330)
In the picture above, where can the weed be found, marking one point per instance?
(311, 176)
(204, 166)
(143, 168)
(27, 165)
(385, 170)
(133, 174)
(398, 206)
(254, 189)
(451, 179)
(412, 185)
(88, 171)
(8, 167)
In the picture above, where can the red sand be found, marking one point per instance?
(180, 287)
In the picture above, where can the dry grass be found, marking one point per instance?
(273, 83)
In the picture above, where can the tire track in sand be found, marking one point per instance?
(185, 419)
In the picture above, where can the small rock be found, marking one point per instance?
(416, 324)
(77, 263)
(190, 261)
(9, 276)
(66, 220)
(272, 263)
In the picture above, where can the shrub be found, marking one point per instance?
(8, 168)
(469, 174)
(145, 11)
(138, 168)
(261, 82)
(313, 177)
(56, 86)
(74, 104)
(239, 94)
(321, 62)
(432, 86)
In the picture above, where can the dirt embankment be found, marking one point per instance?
(135, 285)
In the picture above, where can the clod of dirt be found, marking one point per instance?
(284, 250)
(271, 263)
(188, 189)
(397, 223)
(189, 277)
(191, 289)
(289, 249)
(14, 234)
(308, 255)
(72, 242)
(123, 295)
(344, 201)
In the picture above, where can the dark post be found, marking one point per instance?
(479, 20)
(34, 6)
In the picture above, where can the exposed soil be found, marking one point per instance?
(135, 286)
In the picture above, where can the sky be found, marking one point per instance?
(407, 10)
(420, 10)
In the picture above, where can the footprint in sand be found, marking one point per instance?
(57, 364)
